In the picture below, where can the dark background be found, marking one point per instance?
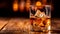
(7, 11)
(56, 11)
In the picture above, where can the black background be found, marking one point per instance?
(56, 12)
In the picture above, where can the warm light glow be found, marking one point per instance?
(48, 22)
(38, 3)
(32, 7)
(15, 6)
(21, 6)
(49, 27)
(27, 6)
(49, 32)
(44, 2)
